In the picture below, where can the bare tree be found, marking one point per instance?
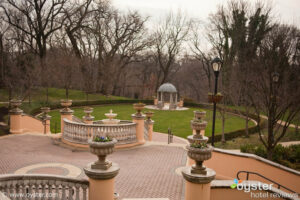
(168, 43)
(37, 20)
(236, 32)
(275, 89)
(119, 38)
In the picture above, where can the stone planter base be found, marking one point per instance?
(198, 178)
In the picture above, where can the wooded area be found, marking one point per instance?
(91, 46)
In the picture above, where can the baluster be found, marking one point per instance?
(7, 188)
(18, 190)
(44, 185)
(30, 187)
(77, 188)
(57, 185)
(63, 189)
(84, 188)
(70, 186)
(23, 190)
(37, 189)
(50, 189)
(11, 190)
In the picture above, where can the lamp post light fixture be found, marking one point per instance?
(216, 65)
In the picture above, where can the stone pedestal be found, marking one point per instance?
(150, 128)
(88, 119)
(197, 186)
(46, 123)
(101, 182)
(140, 124)
(155, 101)
(202, 132)
(180, 103)
(65, 113)
(15, 121)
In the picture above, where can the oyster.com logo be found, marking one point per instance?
(248, 186)
(236, 182)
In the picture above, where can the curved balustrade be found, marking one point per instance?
(124, 132)
(43, 187)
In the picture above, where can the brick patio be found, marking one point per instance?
(146, 172)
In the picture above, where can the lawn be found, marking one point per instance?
(55, 94)
(38, 97)
(178, 121)
(254, 139)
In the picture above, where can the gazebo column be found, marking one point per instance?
(176, 100)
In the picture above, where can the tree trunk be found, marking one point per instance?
(67, 92)
(29, 95)
(47, 94)
(223, 128)
(247, 122)
(270, 153)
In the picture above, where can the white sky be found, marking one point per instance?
(286, 10)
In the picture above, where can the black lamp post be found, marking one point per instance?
(216, 65)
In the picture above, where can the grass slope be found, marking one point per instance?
(55, 94)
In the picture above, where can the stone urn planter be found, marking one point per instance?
(198, 125)
(139, 107)
(15, 104)
(45, 116)
(88, 111)
(199, 153)
(66, 103)
(149, 114)
(45, 110)
(102, 147)
(199, 114)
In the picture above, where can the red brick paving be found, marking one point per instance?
(146, 172)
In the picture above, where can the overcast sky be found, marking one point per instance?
(286, 10)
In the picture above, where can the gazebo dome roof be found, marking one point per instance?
(167, 87)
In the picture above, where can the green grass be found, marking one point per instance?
(55, 94)
(254, 139)
(38, 97)
(178, 121)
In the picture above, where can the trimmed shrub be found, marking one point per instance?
(287, 156)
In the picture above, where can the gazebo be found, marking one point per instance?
(165, 92)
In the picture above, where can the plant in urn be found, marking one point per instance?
(102, 146)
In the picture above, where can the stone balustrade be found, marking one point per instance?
(124, 132)
(23, 187)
